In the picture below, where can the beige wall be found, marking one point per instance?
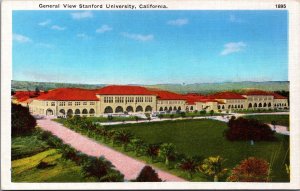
(174, 105)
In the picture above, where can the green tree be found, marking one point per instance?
(166, 151)
(203, 112)
(124, 137)
(148, 174)
(160, 116)
(22, 121)
(137, 145)
(152, 151)
(188, 165)
(211, 112)
(213, 167)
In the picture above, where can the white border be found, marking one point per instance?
(293, 8)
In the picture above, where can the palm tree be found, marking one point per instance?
(124, 137)
(152, 151)
(167, 150)
(212, 167)
(137, 145)
(188, 165)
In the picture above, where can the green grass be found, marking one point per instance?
(114, 119)
(26, 145)
(260, 111)
(279, 119)
(25, 169)
(205, 138)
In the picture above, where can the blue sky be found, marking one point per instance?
(150, 47)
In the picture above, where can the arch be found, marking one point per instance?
(179, 108)
(108, 109)
(161, 109)
(84, 111)
(269, 105)
(175, 108)
(275, 105)
(62, 111)
(166, 109)
(228, 106)
(250, 105)
(170, 108)
(148, 108)
(129, 109)
(49, 112)
(235, 106)
(92, 111)
(223, 107)
(242, 106)
(239, 106)
(219, 107)
(265, 104)
(255, 105)
(192, 108)
(259, 105)
(139, 109)
(69, 112)
(119, 109)
(77, 112)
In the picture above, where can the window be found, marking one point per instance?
(84, 103)
(69, 103)
(77, 103)
(62, 103)
(92, 103)
(46, 103)
(52, 103)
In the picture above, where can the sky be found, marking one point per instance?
(150, 47)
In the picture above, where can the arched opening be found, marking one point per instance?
(148, 108)
(228, 106)
(161, 109)
(255, 104)
(265, 104)
(259, 105)
(166, 109)
(250, 105)
(49, 112)
(69, 112)
(119, 109)
(129, 109)
(62, 112)
(139, 109)
(192, 108)
(84, 111)
(170, 108)
(223, 107)
(242, 106)
(77, 112)
(239, 106)
(175, 108)
(108, 109)
(235, 106)
(219, 107)
(92, 111)
(179, 108)
(269, 105)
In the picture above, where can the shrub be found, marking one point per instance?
(212, 167)
(250, 170)
(43, 165)
(248, 129)
(211, 112)
(167, 150)
(189, 165)
(152, 151)
(203, 112)
(183, 114)
(148, 174)
(22, 121)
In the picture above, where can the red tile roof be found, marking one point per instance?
(257, 92)
(226, 95)
(166, 95)
(277, 96)
(23, 96)
(69, 94)
(123, 90)
(192, 98)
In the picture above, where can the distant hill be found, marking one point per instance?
(203, 88)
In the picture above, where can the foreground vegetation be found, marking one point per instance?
(180, 146)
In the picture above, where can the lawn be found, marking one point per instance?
(205, 138)
(28, 151)
(60, 170)
(279, 119)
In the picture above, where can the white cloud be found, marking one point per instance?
(138, 37)
(21, 38)
(178, 22)
(59, 28)
(44, 23)
(83, 36)
(233, 47)
(82, 15)
(103, 29)
(234, 19)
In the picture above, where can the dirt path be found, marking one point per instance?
(126, 165)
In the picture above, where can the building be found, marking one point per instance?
(136, 99)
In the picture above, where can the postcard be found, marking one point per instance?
(150, 95)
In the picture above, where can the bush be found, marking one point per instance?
(22, 122)
(250, 170)
(203, 112)
(148, 174)
(248, 129)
